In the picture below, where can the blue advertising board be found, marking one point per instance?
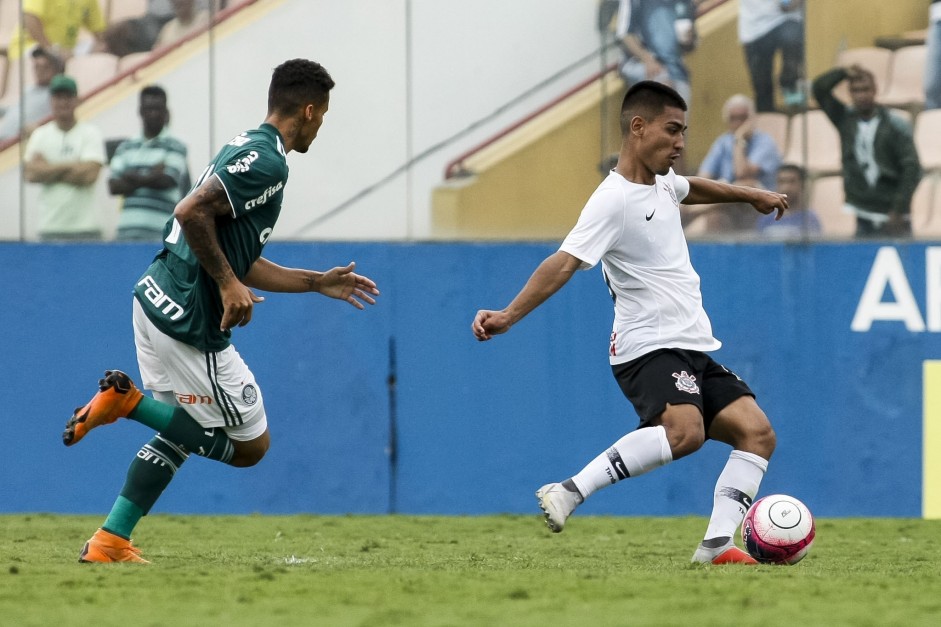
(399, 408)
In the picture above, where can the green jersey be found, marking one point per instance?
(177, 294)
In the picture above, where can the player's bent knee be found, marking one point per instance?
(686, 442)
(684, 428)
(758, 438)
(250, 452)
(765, 441)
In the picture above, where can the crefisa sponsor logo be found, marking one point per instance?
(265, 197)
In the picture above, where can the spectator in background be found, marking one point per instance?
(34, 105)
(187, 20)
(141, 34)
(65, 157)
(880, 163)
(653, 36)
(150, 171)
(743, 155)
(54, 25)
(799, 220)
(933, 62)
(764, 28)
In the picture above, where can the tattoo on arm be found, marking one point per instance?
(198, 220)
(212, 196)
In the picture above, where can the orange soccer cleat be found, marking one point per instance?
(105, 547)
(734, 555)
(117, 397)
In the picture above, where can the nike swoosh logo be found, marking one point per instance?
(651, 215)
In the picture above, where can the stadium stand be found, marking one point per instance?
(124, 9)
(823, 155)
(91, 71)
(775, 124)
(876, 60)
(924, 211)
(927, 131)
(131, 60)
(12, 85)
(906, 78)
(826, 198)
(9, 18)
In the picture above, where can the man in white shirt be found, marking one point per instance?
(661, 333)
(65, 156)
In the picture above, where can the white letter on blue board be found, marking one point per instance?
(887, 270)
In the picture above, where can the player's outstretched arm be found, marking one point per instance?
(706, 191)
(340, 282)
(549, 277)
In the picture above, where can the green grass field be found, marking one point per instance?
(488, 570)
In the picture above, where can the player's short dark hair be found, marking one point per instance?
(297, 83)
(153, 90)
(648, 99)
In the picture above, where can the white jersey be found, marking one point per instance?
(635, 232)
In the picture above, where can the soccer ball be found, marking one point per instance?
(778, 529)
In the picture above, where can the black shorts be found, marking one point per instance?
(677, 376)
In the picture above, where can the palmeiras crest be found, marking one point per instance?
(686, 382)
(249, 394)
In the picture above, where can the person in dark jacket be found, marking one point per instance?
(880, 163)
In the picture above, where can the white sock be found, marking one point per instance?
(735, 490)
(636, 453)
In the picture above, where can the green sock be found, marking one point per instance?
(210, 443)
(152, 413)
(123, 518)
(180, 427)
(149, 474)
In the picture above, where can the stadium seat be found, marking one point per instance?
(823, 143)
(876, 60)
(11, 90)
(9, 18)
(826, 199)
(91, 71)
(775, 124)
(3, 74)
(120, 10)
(922, 208)
(931, 228)
(927, 131)
(906, 84)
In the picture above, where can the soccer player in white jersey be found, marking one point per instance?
(661, 335)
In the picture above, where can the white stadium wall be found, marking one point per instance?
(410, 74)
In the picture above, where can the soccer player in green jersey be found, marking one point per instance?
(205, 398)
